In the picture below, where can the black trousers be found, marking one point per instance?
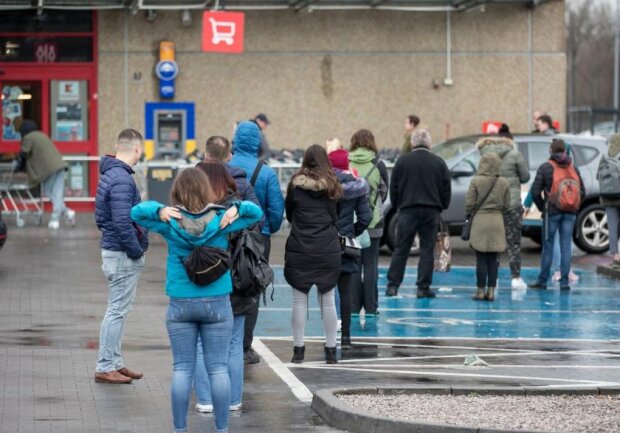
(364, 289)
(420, 221)
(487, 266)
(344, 290)
(252, 318)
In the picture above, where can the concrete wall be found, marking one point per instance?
(329, 73)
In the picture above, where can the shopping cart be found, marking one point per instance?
(223, 31)
(16, 197)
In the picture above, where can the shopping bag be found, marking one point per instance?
(443, 249)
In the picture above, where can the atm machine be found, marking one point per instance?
(169, 138)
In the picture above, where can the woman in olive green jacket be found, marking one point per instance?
(612, 208)
(488, 236)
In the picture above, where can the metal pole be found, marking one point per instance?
(617, 66)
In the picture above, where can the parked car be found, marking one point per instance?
(462, 158)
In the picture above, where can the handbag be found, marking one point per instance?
(351, 247)
(204, 265)
(443, 249)
(469, 219)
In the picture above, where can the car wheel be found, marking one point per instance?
(392, 235)
(591, 232)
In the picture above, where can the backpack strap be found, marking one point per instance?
(257, 172)
(374, 167)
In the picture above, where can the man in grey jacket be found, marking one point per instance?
(515, 170)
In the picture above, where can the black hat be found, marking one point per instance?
(262, 117)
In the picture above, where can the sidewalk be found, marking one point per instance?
(52, 298)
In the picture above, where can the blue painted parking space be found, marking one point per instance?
(590, 311)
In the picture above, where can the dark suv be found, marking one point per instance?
(462, 158)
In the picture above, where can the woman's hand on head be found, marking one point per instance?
(229, 217)
(167, 213)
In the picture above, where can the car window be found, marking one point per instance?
(473, 159)
(452, 149)
(537, 154)
(584, 154)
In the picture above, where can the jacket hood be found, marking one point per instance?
(109, 161)
(361, 155)
(305, 182)
(236, 172)
(195, 224)
(490, 165)
(614, 145)
(247, 139)
(562, 158)
(352, 187)
(497, 144)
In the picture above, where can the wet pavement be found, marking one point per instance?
(53, 296)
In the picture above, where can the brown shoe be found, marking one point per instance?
(130, 373)
(112, 377)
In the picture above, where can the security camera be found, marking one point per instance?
(186, 18)
(150, 15)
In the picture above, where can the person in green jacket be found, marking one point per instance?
(515, 171)
(612, 208)
(44, 165)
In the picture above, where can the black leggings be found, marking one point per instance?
(344, 289)
(487, 265)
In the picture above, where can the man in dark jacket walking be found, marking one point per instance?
(420, 189)
(555, 220)
(123, 244)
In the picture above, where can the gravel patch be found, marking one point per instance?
(567, 414)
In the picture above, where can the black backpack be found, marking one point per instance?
(204, 265)
(250, 271)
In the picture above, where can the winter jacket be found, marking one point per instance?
(614, 151)
(354, 213)
(363, 160)
(420, 179)
(191, 231)
(312, 253)
(42, 157)
(406, 147)
(267, 187)
(488, 233)
(117, 193)
(544, 180)
(514, 169)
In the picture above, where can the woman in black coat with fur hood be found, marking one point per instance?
(313, 253)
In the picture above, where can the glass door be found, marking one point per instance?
(20, 100)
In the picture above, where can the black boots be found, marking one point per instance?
(298, 354)
(330, 355)
(345, 340)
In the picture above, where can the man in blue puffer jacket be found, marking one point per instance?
(123, 244)
(246, 144)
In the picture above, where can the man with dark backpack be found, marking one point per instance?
(264, 179)
(557, 191)
(609, 186)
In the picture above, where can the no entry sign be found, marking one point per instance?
(222, 32)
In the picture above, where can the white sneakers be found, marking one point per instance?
(572, 277)
(53, 225)
(208, 408)
(70, 217)
(518, 284)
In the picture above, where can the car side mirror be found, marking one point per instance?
(462, 169)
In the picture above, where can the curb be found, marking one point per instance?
(337, 414)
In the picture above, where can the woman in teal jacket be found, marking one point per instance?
(197, 310)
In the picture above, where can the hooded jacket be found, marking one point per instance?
(42, 157)
(354, 214)
(363, 160)
(246, 144)
(193, 230)
(487, 231)
(117, 193)
(544, 181)
(614, 151)
(312, 253)
(514, 169)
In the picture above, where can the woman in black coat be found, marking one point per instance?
(312, 254)
(353, 218)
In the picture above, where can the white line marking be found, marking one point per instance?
(430, 373)
(509, 340)
(298, 389)
(461, 366)
(454, 310)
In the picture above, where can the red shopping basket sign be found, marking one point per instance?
(222, 32)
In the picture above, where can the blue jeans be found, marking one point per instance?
(555, 263)
(54, 188)
(122, 274)
(212, 320)
(235, 367)
(563, 224)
